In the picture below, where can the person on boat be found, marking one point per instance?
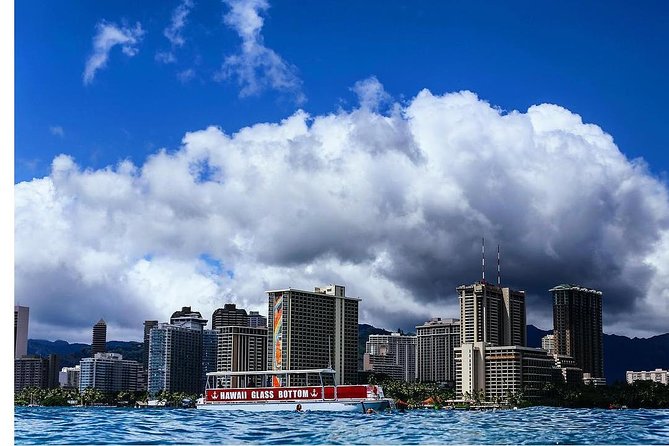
(298, 408)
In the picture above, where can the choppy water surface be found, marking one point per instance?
(538, 425)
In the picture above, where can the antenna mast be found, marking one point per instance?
(483, 259)
(499, 277)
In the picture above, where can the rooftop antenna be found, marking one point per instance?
(483, 259)
(499, 277)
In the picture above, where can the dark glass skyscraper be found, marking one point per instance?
(99, 344)
(577, 326)
(176, 353)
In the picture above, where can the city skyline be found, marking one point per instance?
(203, 153)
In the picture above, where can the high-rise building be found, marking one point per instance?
(108, 372)
(514, 323)
(175, 354)
(313, 330)
(53, 369)
(493, 359)
(241, 349)
(257, 320)
(209, 353)
(34, 371)
(577, 327)
(148, 325)
(492, 314)
(229, 316)
(436, 340)
(393, 354)
(20, 331)
(30, 371)
(99, 344)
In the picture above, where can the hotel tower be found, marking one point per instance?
(313, 330)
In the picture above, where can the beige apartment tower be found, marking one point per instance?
(436, 341)
(492, 314)
(241, 349)
(312, 330)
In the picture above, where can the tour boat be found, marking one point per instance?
(276, 390)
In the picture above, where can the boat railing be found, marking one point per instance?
(264, 378)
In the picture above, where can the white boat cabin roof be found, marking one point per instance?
(272, 372)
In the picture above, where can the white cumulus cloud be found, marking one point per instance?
(108, 36)
(256, 67)
(391, 205)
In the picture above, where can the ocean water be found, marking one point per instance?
(537, 425)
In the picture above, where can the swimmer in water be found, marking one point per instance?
(298, 408)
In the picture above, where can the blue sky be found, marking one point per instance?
(370, 144)
(606, 62)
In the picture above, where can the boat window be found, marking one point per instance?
(328, 379)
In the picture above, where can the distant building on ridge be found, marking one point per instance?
(658, 375)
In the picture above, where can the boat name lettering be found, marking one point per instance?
(294, 393)
(231, 395)
(282, 394)
(262, 394)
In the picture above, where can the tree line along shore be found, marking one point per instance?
(640, 394)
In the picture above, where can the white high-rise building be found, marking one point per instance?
(108, 372)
